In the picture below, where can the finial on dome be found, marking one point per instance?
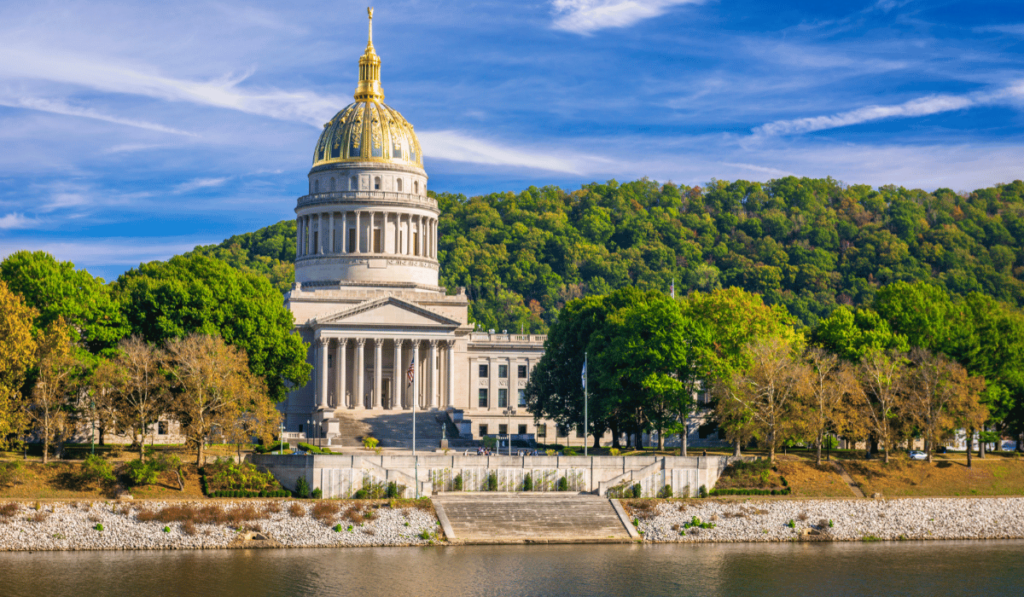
(369, 88)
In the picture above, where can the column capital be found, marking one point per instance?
(434, 342)
(360, 342)
(379, 341)
(342, 342)
(323, 341)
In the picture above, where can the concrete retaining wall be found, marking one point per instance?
(342, 475)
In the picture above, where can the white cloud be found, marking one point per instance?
(59, 107)
(123, 251)
(223, 92)
(15, 221)
(200, 183)
(1012, 29)
(924, 106)
(586, 16)
(460, 147)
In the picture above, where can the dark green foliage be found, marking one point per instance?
(696, 523)
(702, 492)
(316, 494)
(457, 482)
(227, 475)
(750, 491)
(301, 488)
(138, 472)
(392, 491)
(269, 252)
(563, 484)
(272, 448)
(492, 482)
(665, 492)
(97, 469)
(164, 300)
(527, 482)
(311, 449)
(637, 490)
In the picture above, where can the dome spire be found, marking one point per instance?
(369, 88)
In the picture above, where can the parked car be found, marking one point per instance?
(918, 455)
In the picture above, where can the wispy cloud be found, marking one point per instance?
(924, 106)
(124, 251)
(461, 147)
(223, 92)
(1012, 29)
(59, 107)
(587, 16)
(200, 183)
(16, 221)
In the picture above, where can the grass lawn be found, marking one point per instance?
(56, 480)
(994, 475)
(809, 480)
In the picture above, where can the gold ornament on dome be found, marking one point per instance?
(368, 125)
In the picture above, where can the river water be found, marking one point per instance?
(834, 569)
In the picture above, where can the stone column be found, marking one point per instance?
(378, 362)
(397, 379)
(359, 232)
(330, 225)
(415, 373)
(360, 372)
(339, 373)
(321, 374)
(344, 232)
(298, 236)
(450, 387)
(432, 374)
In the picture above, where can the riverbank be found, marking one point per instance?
(767, 520)
(214, 524)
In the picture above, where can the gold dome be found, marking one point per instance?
(368, 130)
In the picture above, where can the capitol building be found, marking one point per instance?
(383, 335)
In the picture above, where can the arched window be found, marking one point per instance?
(332, 184)
(316, 187)
(399, 183)
(376, 183)
(354, 184)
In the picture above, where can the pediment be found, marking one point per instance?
(387, 311)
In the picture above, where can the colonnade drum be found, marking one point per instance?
(384, 373)
(366, 232)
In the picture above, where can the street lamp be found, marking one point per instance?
(509, 413)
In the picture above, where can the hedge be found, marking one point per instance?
(720, 492)
(238, 493)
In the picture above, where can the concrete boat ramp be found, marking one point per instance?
(503, 518)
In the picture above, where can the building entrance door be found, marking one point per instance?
(386, 393)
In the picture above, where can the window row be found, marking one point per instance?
(521, 371)
(376, 184)
(483, 400)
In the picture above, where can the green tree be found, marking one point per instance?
(198, 294)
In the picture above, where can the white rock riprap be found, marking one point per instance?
(73, 526)
(851, 520)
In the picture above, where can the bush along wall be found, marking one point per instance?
(720, 492)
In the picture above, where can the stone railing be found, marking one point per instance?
(365, 196)
(509, 338)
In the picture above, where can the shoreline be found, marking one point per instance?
(70, 525)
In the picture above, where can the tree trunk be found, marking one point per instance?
(142, 440)
(46, 448)
(597, 441)
(970, 446)
(199, 454)
(615, 438)
(817, 450)
(736, 450)
(661, 439)
(887, 452)
(103, 435)
(981, 443)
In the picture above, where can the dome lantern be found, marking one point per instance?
(369, 89)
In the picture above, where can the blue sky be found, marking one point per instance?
(135, 131)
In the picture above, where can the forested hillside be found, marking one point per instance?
(809, 244)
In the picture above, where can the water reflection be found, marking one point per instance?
(933, 568)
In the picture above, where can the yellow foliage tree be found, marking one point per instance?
(17, 355)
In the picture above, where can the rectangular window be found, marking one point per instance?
(502, 398)
(483, 370)
(502, 371)
(483, 398)
(316, 242)
(351, 240)
(416, 243)
(161, 428)
(562, 431)
(483, 430)
(522, 372)
(522, 430)
(377, 241)
(522, 397)
(502, 429)
(542, 431)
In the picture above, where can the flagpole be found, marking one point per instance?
(586, 427)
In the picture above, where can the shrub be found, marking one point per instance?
(311, 449)
(274, 447)
(425, 535)
(614, 452)
(490, 443)
(551, 452)
(10, 474)
(791, 524)
(354, 515)
(141, 473)
(527, 482)
(316, 494)
(337, 528)
(702, 492)
(97, 469)
(188, 527)
(492, 482)
(227, 475)
(563, 484)
(392, 491)
(8, 510)
(569, 451)
(301, 488)
(665, 492)
(370, 443)
(638, 491)
(457, 482)
(325, 511)
(296, 510)
(167, 529)
(99, 526)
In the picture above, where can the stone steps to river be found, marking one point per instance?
(524, 518)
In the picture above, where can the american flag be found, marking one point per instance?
(412, 370)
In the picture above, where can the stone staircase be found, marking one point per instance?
(392, 428)
(531, 518)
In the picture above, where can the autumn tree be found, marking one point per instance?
(52, 400)
(939, 392)
(882, 403)
(213, 388)
(17, 355)
(138, 384)
(767, 391)
(833, 388)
